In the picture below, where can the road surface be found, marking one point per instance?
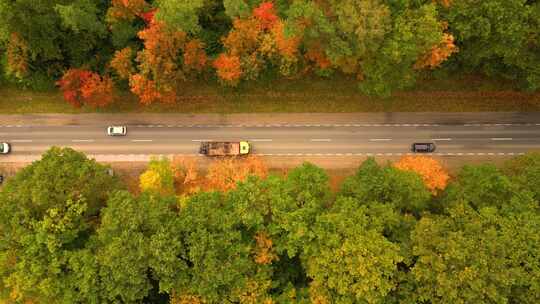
(321, 138)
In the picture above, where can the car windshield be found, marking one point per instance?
(1, 147)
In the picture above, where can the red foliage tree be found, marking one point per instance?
(148, 16)
(81, 86)
(97, 91)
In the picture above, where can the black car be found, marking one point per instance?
(423, 147)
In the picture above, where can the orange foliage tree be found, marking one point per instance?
(266, 14)
(195, 58)
(145, 89)
(433, 174)
(17, 56)
(316, 55)
(122, 64)
(186, 176)
(223, 174)
(81, 86)
(438, 53)
(253, 41)
(126, 10)
(160, 65)
(228, 68)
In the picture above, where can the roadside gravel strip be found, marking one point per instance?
(148, 157)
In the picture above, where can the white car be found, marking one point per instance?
(117, 130)
(4, 148)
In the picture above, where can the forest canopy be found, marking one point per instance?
(384, 237)
(152, 48)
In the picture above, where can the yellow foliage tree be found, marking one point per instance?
(158, 177)
(150, 181)
(433, 174)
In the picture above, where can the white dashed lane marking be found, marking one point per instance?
(501, 138)
(380, 139)
(141, 140)
(441, 139)
(82, 140)
(200, 140)
(21, 140)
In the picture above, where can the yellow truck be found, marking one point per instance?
(224, 148)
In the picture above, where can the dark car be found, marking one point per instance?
(423, 147)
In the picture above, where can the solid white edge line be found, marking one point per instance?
(264, 139)
(320, 139)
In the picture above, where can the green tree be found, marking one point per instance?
(180, 15)
(414, 32)
(137, 247)
(498, 37)
(60, 175)
(484, 256)
(485, 186)
(57, 34)
(350, 260)
(403, 190)
(285, 210)
(219, 253)
(46, 216)
(525, 172)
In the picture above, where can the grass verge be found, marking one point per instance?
(465, 94)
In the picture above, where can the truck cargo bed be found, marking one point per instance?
(224, 148)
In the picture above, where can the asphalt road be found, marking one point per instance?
(280, 139)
